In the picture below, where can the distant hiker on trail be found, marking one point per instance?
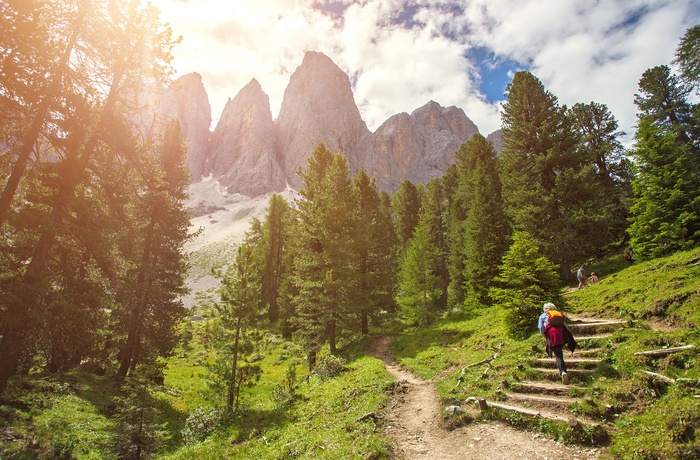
(629, 256)
(593, 278)
(581, 277)
(552, 326)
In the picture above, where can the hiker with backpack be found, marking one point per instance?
(552, 326)
(580, 277)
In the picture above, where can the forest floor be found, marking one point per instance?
(413, 421)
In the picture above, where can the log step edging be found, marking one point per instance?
(547, 371)
(593, 362)
(546, 388)
(580, 324)
(529, 397)
(484, 404)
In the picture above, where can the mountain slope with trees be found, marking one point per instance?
(94, 332)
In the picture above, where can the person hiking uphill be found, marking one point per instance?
(553, 327)
(581, 277)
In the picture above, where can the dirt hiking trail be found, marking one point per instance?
(412, 419)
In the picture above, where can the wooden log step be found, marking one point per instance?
(531, 412)
(664, 351)
(556, 400)
(587, 351)
(545, 388)
(576, 362)
(593, 337)
(546, 370)
(596, 323)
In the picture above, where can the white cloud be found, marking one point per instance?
(582, 50)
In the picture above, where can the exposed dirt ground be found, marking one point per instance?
(412, 419)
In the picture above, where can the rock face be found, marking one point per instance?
(187, 101)
(318, 106)
(416, 147)
(241, 149)
(250, 154)
(496, 139)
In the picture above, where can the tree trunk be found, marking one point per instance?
(232, 382)
(331, 336)
(311, 358)
(365, 322)
(39, 118)
(129, 352)
(15, 330)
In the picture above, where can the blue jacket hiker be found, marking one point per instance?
(552, 326)
(580, 277)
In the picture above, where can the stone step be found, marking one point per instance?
(546, 388)
(534, 399)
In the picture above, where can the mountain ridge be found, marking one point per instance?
(252, 154)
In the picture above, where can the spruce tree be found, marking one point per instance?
(527, 279)
(666, 212)
(420, 289)
(484, 229)
(275, 236)
(325, 273)
(406, 204)
(544, 176)
(233, 333)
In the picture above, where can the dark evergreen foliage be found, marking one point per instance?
(666, 210)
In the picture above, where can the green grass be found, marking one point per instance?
(322, 423)
(644, 418)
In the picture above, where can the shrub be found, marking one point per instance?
(329, 366)
(201, 424)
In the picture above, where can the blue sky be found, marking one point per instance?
(402, 54)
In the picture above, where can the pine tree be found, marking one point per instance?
(610, 179)
(688, 57)
(275, 238)
(433, 214)
(127, 44)
(406, 204)
(527, 280)
(325, 267)
(152, 288)
(543, 175)
(485, 230)
(137, 435)
(666, 213)
(375, 245)
(420, 289)
(233, 334)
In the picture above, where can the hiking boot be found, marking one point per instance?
(565, 378)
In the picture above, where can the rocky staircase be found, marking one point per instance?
(537, 389)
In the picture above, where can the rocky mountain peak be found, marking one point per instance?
(186, 100)
(250, 154)
(241, 149)
(318, 106)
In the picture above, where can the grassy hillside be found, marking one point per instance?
(643, 416)
(636, 415)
